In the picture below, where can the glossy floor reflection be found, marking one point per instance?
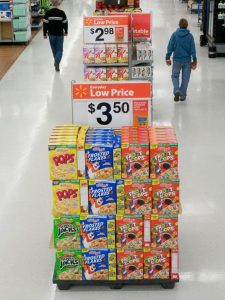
(33, 98)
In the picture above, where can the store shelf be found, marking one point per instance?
(5, 21)
(107, 65)
(138, 62)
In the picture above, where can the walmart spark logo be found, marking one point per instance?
(80, 92)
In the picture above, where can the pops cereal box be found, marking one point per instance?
(156, 263)
(89, 54)
(66, 197)
(102, 197)
(99, 264)
(165, 196)
(123, 73)
(89, 74)
(97, 232)
(164, 231)
(67, 232)
(122, 53)
(100, 55)
(129, 232)
(111, 53)
(100, 74)
(138, 196)
(129, 264)
(68, 265)
(112, 73)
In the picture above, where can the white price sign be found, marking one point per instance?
(106, 29)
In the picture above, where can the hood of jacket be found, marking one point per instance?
(182, 32)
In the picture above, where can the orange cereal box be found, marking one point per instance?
(111, 73)
(111, 53)
(129, 264)
(156, 263)
(122, 53)
(123, 73)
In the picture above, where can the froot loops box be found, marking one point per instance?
(156, 263)
(129, 264)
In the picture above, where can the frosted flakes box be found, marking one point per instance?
(99, 264)
(100, 55)
(68, 265)
(156, 263)
(67, 232)
(122, 53)
(100, 74)
(123, 73)
(89, 54)
(111, 53)
(112, 73)
(129, 232)
(164, 231)
(62, 161)
(102, 197)
(165, 194)
(66, 197)
(138, 196)
(97, 232)
(89, 74)
(129, 264)
(99, 161)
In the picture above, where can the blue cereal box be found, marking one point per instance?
(97, 232)
(99, 160)
(98, 264)
(101, 197)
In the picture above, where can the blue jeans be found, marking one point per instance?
(185, 76)
(56, 43)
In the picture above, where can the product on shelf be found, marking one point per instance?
(89, 74)
(165, 196)
(100, 53)
(99, 264)
(163, 153)
(67, 232)
(135, 152)
(112, 73)
(111, 53)
(123, 73)
(122, 53)
(129, 232)
(156, 263)
(142, 72)
(97, 232)
(164, 231)
(89, 54)
(143, 51)
(129, 264)
(100, 74)
(138, 197)
(66, 197)
(68, 265)
(102, 197)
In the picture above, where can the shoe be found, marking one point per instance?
(182, 99)
(177, 97)
(56, 67)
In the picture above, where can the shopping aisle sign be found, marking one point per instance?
(111, 104)
(141, 24)
(106, 29)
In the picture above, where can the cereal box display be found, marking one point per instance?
(165, 196)
(138, 196)
(100, 74)
(164, 231)
(67, 232)
(99, 264)
(89, 74)
(102, 197)
(163, 153)
(111, 73)
(100, 55)
(156, 263)
(123, 73)
(97, 232)
(122, 53)
(89, 54)
(129, 264)
(129, 232)
(66, 197)
(117, 154)
(111, 53)
(135, 152)
(68, 265)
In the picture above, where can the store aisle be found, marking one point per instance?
(33, 98)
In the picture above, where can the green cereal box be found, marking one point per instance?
(67, 232)
(68, 265)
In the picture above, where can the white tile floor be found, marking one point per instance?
(33, 98)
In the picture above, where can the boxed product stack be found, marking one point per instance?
(143, 56)
(101, 62)
(111, 221)
(105, 7)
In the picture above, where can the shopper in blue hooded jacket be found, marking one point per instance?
(182, 46)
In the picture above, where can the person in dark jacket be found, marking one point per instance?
(55, 25)
(182, 46)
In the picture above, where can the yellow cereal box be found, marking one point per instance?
(66, 197)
